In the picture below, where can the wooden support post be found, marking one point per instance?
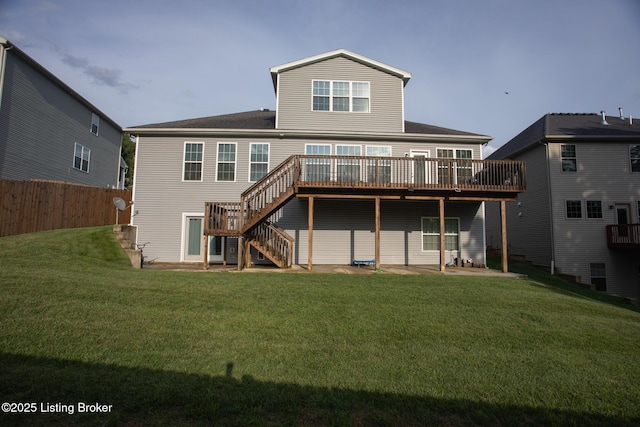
(224, 252)
(247, 253)
(240, 253)
(206, 252)
(503, 226)
(442, 239)
(310, 221)
(377, 233)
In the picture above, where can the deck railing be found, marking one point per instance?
(223, 217)
(623, 236)
(412, 173)
(277, 244)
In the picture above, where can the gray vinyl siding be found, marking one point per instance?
(603, 174)
(295, 98)
(529, 213)
(39, 126)
(162, 197)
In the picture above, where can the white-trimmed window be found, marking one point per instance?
(81, 157)
(348, 96)
(378, 170)
(573, 209)
(461, 170)
(317, 169)
(192, 166)
(598, 273)
(258, 161)
(226, 167)
(348, 170)
(431, 234)
(569, 159)
(634, 157)
(95, 124)
(594, 209)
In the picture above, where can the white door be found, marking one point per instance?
(193, 239)
(420, 169)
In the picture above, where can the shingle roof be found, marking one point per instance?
(587, 126)
(266, 119)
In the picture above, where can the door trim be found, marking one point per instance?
(183, 232)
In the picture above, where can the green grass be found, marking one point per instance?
(78, 324)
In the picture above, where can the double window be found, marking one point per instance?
(573, 209)
(569, 160)
(258, 161)
(452, 171)
(81, 158)
(634, 157)
(192, 168)
(345, 96)
(226, 161)
(431, 234)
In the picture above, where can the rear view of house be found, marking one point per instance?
(580, 215)
(335, 174)
(48, 131)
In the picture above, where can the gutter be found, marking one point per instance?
(549, 192)
(297, 134)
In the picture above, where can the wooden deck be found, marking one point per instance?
(409, 178)
(623, 236)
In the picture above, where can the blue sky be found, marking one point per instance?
(149, 61)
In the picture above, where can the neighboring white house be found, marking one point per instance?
(335, 174)
(580, 215)
(48, 131)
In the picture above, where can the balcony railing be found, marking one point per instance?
(623, 236)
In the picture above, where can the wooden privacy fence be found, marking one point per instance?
(31, 206)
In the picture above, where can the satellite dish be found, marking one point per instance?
(120, 203)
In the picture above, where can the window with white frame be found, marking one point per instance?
(317, 169)
(634, 157)
(574, 209)
(431, 234)
(598, 272)
(454, 170)
(226, 164)
(378, 170)
(348, 170)
(192, 167)
(81, 158)
(95, 123)
(258, 161)
(347, 96)
(594, 209)
(569, 160)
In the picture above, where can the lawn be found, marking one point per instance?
(79, 326)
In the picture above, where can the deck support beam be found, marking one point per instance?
(377, 233)
(206, 252)
(442, 239)
(310, 221)
(503, 231)
(240, 258)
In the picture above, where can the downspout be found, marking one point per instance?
(551, 223)
(3, 53)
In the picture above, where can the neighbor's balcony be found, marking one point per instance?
(623, 236)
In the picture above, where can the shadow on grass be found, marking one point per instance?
(141, 397)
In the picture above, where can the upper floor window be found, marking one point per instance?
(81, 158)
(258, 161)
(226, 161)
(95, 123)
(340, 96)
(569, 161)
(634, 157)
(192, 167)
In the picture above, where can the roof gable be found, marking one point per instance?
(404, 75)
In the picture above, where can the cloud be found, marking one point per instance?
(110, 77)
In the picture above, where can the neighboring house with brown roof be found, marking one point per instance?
(580, 215)
(48, 131)
(334, 175)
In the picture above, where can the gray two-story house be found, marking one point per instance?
(334, 175)
(580, 215)
(48, 131)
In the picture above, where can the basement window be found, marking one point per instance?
(598, 274)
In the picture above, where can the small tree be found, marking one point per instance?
(129, 156)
